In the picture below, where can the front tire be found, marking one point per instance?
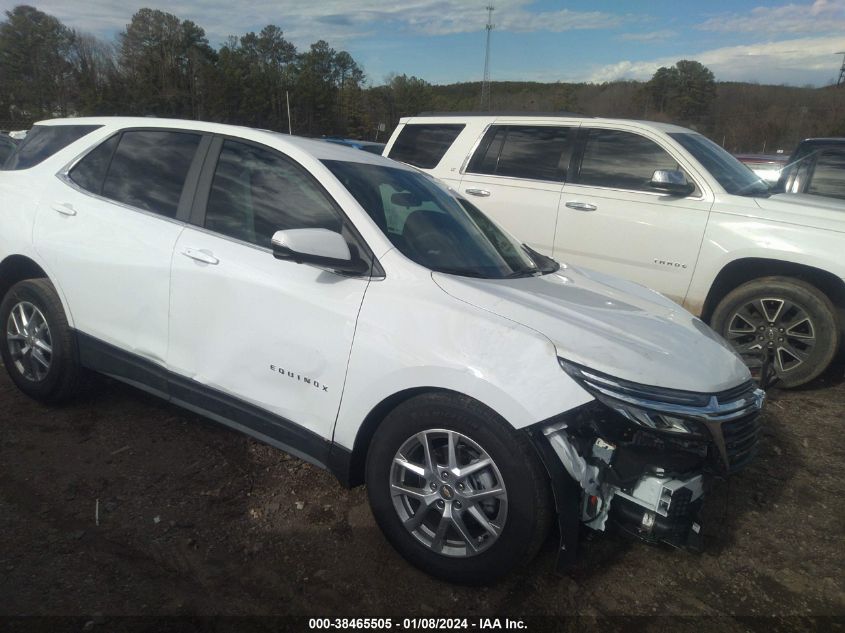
(790, 317)
(455, 490)
(36, 343)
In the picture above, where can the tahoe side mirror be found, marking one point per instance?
(319, 247)
(671, 181)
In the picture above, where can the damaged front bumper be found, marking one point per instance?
(642, 457)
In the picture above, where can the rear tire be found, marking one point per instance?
(483, 539)
(789, 316)
(37, 344)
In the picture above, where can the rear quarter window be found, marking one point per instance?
(43, 141)
(424, 145)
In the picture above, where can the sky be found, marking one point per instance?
(442, 41)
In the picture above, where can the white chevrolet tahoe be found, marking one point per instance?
(349, 310)
(660, 205)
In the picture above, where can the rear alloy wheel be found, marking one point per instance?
(456, 490)
(29, 340)
(36, 342)
(788, 319)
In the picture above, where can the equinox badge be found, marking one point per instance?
(299, 377)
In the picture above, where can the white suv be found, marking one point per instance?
(660, 205)
(351, 311)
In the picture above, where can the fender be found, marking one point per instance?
(508, 377)
(733, 238)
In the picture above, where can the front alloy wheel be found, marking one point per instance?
(456, 490)
(448, 493)
(788, 320)
(773, 325)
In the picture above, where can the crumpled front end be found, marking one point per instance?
(643, 457)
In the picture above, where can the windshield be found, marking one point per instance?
(429, 226)
(734, 177)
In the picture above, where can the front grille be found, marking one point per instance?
(741, 438)
(730, 416)
(735, 393)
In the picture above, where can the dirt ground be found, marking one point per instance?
(195, 520)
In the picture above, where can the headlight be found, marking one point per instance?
(652, 419)
(655, 408)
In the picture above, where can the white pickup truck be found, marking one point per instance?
(661, 205)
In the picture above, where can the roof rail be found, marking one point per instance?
(524, 113)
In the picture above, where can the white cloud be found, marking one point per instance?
(799, 61)
(650, 36)
(336, 21)
(820, 16)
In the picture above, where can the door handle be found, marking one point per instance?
(201, 256)
(581, 206)
(64, 208)
(481, 193)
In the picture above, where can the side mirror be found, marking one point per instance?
(671, 181)
(318, 247)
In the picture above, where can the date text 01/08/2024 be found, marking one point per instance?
(344, 624)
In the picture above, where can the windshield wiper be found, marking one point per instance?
(461, 272)
(549, 265)
(526, 272)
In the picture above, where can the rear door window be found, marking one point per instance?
(828, 175)
(622, 160)
(424, 145)
(536, 152)
(149, 168)
(43, 141)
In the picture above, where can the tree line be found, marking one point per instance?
(742, 117)
(163, 65)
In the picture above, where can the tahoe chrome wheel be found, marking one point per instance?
(448, 493)
(30, 342)
(776, 324)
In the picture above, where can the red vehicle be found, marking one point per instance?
(766, 166)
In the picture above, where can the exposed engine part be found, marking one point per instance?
(575, 465)
(603, 451)
(657, 494)
(596, 502)
(656, 507)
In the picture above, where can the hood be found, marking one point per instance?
(804, 209)
(610, 325)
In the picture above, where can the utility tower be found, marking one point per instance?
(486, 99)
(841, 70)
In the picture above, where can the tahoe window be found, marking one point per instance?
(148, 169)
(43, 141)
(622, 160)
(828, 175)
(424, 145)
(256, 192)
(524, 151)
